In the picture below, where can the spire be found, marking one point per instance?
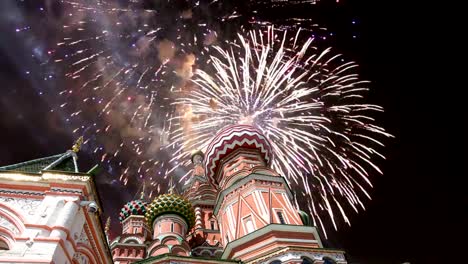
(107, 227)
(142, 194)
(171, 185)
(77, 146)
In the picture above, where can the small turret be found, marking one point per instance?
(171, 217)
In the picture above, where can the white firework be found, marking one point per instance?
(308, 103)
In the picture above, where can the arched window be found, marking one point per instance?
(306, 260)
(275, 262)
(3, 245)
(327, 260)
(172, 227)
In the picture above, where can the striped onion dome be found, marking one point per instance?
(136, 207)
(228, 140)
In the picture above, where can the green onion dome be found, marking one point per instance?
(136, 207)
(170, 204)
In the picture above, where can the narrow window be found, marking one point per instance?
(281, 217)
(249, 226)
(172, 227)
(212, 223)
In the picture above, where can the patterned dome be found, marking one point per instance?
(136, 207)
(170, 203)
(230, 139)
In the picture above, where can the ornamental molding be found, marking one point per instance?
(27, 207)
(80, 258)
(298, 255)
(21, 192)
(45, 176)
(70, 191)
(83, 237)
(125, 240)
(6, 223)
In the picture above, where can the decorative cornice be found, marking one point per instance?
(44, 176)
(21, 192)
(267, 229)
(63, 190)
(114, 245)
(296, 253)
(172, 259)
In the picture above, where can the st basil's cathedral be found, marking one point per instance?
(233, 209)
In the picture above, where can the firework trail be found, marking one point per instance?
(124, 59)
(307, 102)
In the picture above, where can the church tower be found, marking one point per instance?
(254, 208)
(171, 217)
(205, 239)
(130, 246)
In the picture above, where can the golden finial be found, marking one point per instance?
(76, 147)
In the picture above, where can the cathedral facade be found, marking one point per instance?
(49, 213)
(233, 209)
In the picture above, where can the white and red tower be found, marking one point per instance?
(258, 223)
(205, 238)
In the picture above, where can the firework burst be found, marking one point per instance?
(307, 102)
(122, 61)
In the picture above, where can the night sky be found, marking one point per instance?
(419, 206)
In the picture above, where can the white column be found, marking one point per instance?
(65, 219)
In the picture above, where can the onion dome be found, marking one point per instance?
(170, 204)
(136, 207)
(195, 154)
(305, 218)
(228, 140)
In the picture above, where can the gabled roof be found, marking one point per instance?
(60, 162)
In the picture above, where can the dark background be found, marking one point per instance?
(418, 210)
